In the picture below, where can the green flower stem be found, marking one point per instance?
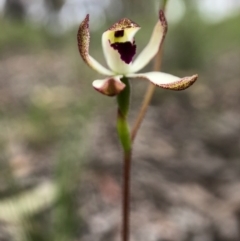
(123, 100)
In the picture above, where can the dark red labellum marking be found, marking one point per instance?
(119, 33)
(126, 50)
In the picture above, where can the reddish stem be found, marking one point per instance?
(126, 196)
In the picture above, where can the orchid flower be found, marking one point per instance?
(119, 48)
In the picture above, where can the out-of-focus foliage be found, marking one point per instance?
(54, 5)
(15, 9)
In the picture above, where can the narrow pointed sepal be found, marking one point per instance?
(111, 86)
(83, 38)
(153, 45)
(166, 81)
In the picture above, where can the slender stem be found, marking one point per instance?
(143, 110)
(126, 140)
(123, 100)
(150, 90)
(126, 196)
(124, 136)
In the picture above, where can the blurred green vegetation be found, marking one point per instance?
(194, 43)
(49, 123)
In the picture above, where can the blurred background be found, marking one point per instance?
(60, 162)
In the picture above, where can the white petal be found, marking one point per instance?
(166, 81)
(153, 45)
(83, 46)
(120, 61)
(110, 86)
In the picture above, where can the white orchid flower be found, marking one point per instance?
(119, 49)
